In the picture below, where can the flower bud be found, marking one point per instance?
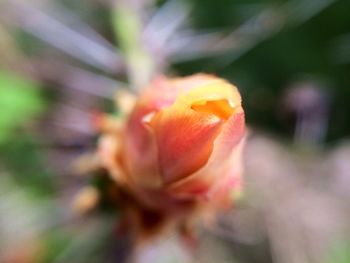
(181, 143)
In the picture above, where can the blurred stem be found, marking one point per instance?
(128, 31)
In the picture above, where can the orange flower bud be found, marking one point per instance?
(183, 138)
(182, 142)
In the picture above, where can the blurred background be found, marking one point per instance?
(61, 60)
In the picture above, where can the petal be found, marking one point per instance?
(225, 156)
(225, 190)
(220, 108)
(214, 90)
(140, 153)
(163, 92)
(186, 84)
(184, 139)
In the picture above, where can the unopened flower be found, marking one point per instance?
(180, 146)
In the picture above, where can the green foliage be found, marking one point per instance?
(20, 101)
(340, 253)
(25, 160)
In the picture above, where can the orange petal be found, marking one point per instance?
(225, 157)
(185, 140)
(140, 151)
(220, 108)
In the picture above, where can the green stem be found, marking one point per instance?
(128, 30)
